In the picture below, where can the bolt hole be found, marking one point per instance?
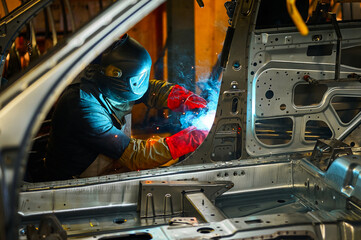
(269, 94)
(283, 107)
(236, 66)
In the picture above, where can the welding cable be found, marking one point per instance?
(296, 17)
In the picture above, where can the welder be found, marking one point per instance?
(89, 134)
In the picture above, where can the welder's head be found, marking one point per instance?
(125, 70)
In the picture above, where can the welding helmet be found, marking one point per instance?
(125, 70)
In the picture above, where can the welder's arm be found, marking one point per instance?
(145, 154)
(151, 153)
(161, 94)
(157, 94)
(185, 141)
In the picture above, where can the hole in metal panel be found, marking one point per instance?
(316, 129)
(317, 37)
(274, 131)
(119, 220)
(308, 95)
(255, 221)
(237, 66)
(205, 230)
(269, 94)
(234, 105)
(320, 50)
(347, 108)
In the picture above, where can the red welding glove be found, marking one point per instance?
(181, 100)
(185, 141)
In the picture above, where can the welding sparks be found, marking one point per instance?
(205, 121)
(204, 118)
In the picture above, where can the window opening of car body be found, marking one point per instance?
(274, 131)
(309, 94)
(347, 108)
(317, 129)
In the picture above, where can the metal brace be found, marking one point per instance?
(338, 46)
(326, 151)
(169, 198)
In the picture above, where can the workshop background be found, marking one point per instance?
(183, 39)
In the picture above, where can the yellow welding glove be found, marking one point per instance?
(145, 154)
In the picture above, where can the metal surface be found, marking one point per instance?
(123, 189)
(226, 139)
(163, 198)
(319, 200)
(273, 62)
(274, 74)
(70, 14)
(344, 175)
(198, 204)
(326, 151)
(310, 186)
(278, 226)
(338, 45)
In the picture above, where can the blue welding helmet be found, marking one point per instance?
(125, 70)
